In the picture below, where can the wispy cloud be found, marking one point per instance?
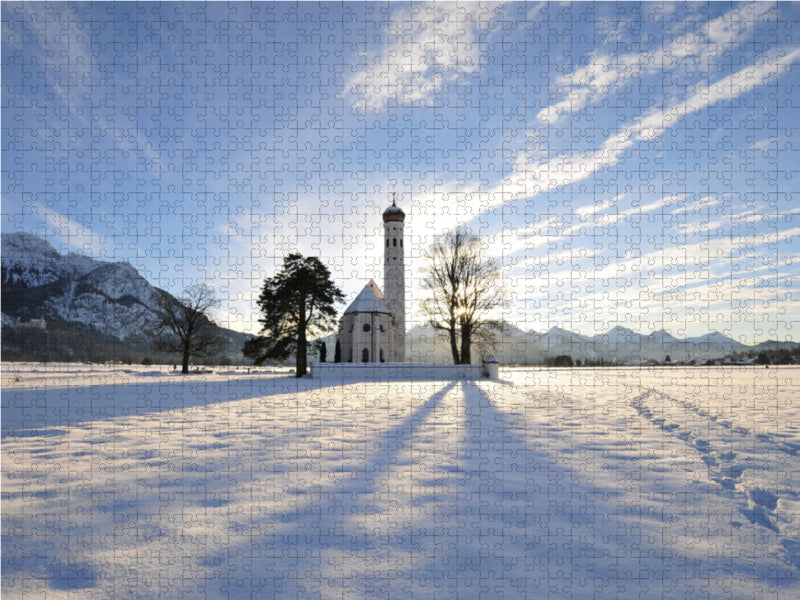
(531, 177)
(593, 209)
(699, 205)
(605, 72)
(69, 68)
(737, 84)
(428, 46)
(72, 234)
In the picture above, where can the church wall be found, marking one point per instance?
(353, 339)
(345, 336)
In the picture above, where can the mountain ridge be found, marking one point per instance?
(92, 309)
(618, 345)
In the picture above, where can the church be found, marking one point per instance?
(373, 328)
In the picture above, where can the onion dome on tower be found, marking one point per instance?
(394, 212)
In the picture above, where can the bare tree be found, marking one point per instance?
(185, 326)
(465, 289)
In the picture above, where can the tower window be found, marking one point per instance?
(365, 355)
(387, 242)
(401, 242)
(394, 242)
(366, 327)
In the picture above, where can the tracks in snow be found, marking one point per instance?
(740, 461)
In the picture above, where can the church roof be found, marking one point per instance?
(369, 300)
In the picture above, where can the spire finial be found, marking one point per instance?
(394, 198)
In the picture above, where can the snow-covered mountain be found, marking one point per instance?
(29, 261)
(84, 301)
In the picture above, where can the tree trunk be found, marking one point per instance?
(453, 344)
(300, 363)
(466, 343)
(185, 361)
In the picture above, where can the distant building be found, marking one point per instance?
(373, 327)
(39, 323)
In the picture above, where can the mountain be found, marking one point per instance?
(92, 309)
(619, 345)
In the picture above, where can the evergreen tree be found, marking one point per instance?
(295, 303)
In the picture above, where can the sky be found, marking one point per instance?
(628, 164)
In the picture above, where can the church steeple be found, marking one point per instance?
(394, 278)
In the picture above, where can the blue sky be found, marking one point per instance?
(629, 164)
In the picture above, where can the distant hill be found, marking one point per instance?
(91, 309)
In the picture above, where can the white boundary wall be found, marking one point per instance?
(394, 371)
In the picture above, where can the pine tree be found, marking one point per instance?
(295, 303)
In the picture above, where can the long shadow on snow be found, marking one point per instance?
(293, 561)
(481, 516)
(47, 411)
(362, 482)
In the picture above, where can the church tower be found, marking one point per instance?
(394, 278)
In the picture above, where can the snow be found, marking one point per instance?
(563, 483)
(34, 261)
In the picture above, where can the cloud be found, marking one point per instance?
(592, 209)
(688, 257)
(737, 84)
(55, 29)
(669, 287)
(428, 47)
(73, 235)
(605, 72)
(736, 25)
(530, 177)
(702, 203)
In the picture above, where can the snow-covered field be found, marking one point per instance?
(565, 483)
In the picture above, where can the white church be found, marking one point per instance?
(373, 328)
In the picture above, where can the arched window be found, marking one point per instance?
(387, 242)
(382, 355)
(365, 355)
(394, 242)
